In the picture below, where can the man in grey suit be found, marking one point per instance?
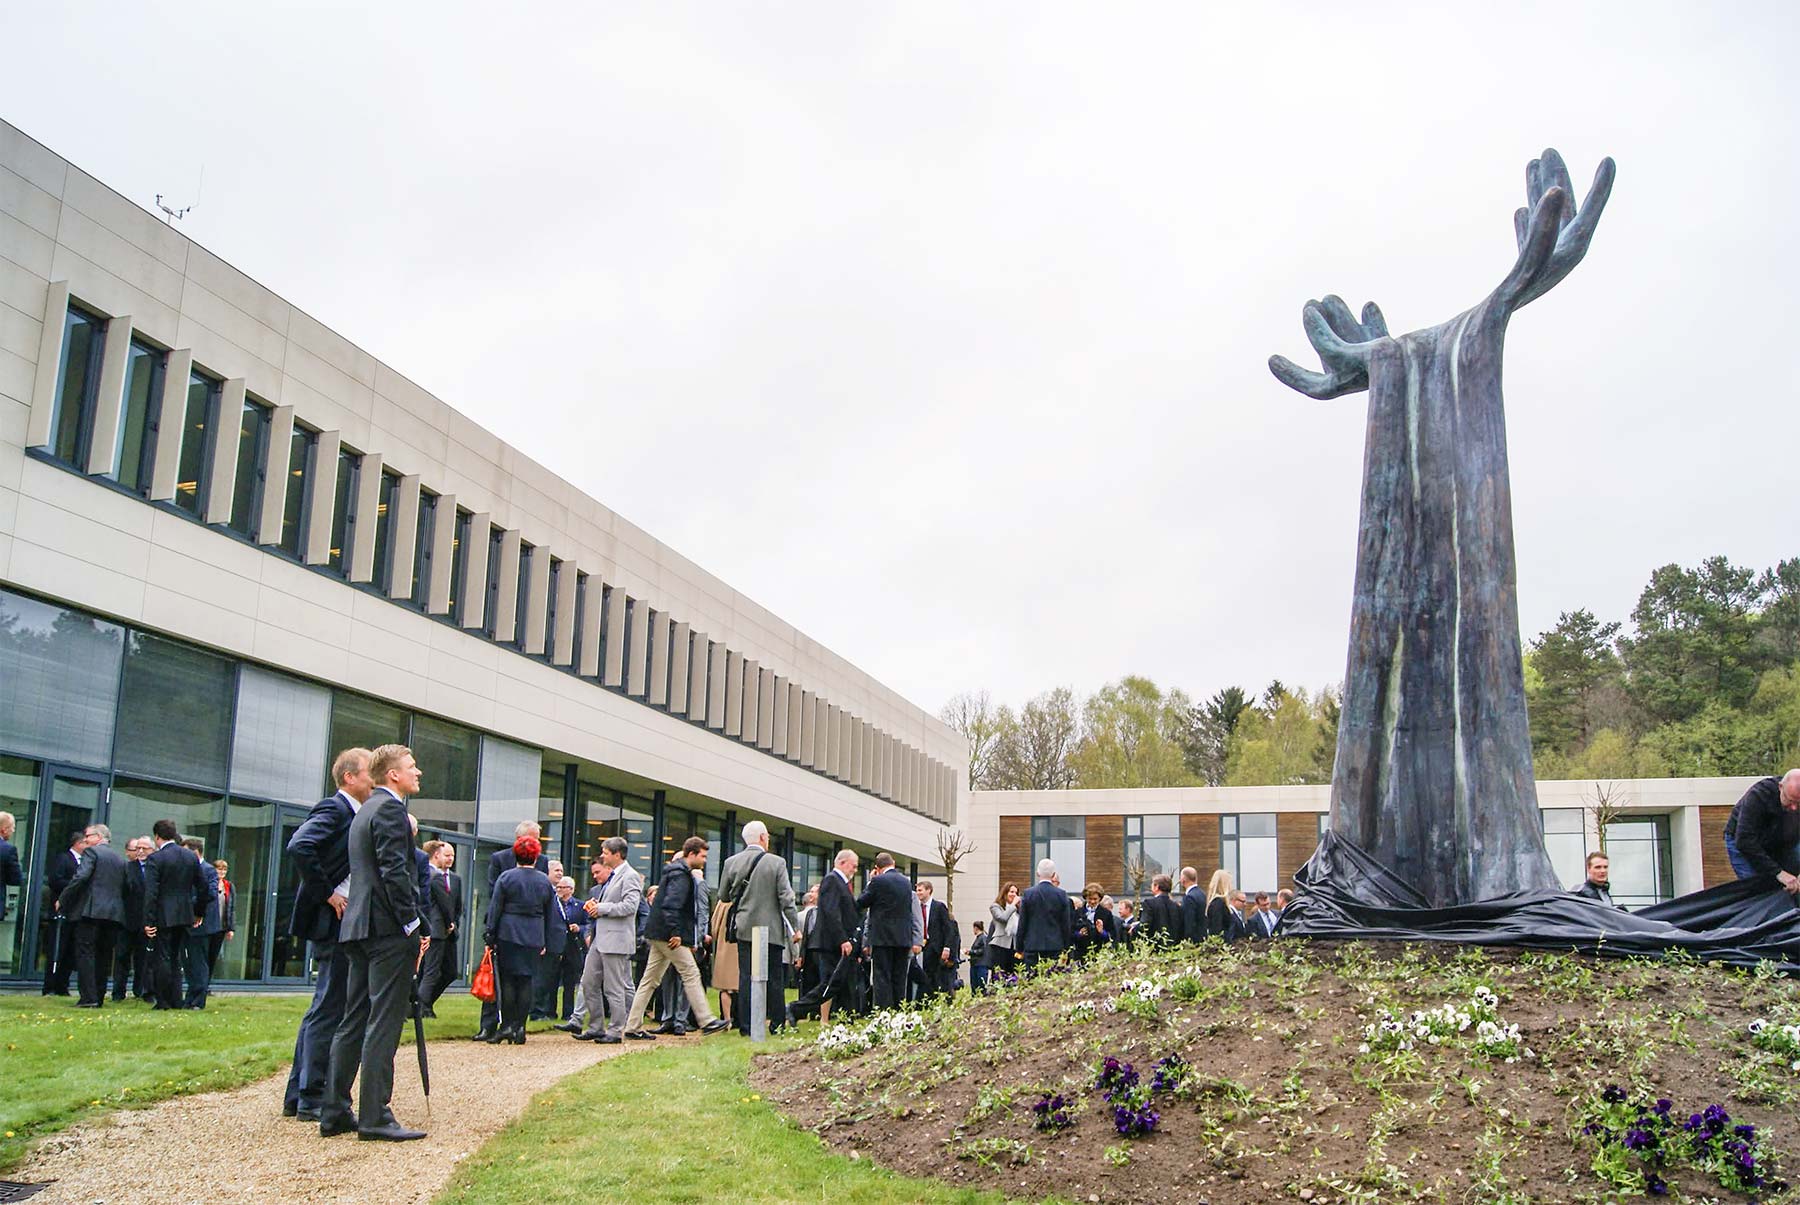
(95, 903)
(759, 885)
(383, 944)
(606, 976)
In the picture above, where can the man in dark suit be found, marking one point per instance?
(383, 944)
(567, 952)
(174, 899)
(131, 959)
(833, 940)
(59, 934)
(888, 899)
(320, 849)
(499, 862)
(937, 952)
(1046, 918)
(1193, 906)
(94, 902)
(199, 960)
(1162, 921)
(10, 874)
(443, 904)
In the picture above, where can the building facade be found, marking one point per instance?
(232, 542)
(1664, 836)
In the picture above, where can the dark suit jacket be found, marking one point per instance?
(10, 874)
(212, 922)
(1162, 914)
(566, 915)
(97, 892)
(889, 900)
(422, 864)
(443, 906)
(502, 860)
(1193, 913)
(174, 892)
(836, 921)
(384, 884)
(134, 895)
(1093, 936)
(1222, 920)
(320, 848)
(937, 935)
(523, 911)
(1045, 920)
(674, 913)
(57, 876)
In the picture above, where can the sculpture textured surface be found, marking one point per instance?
(1433, 774)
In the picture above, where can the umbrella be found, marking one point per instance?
(418, 1018)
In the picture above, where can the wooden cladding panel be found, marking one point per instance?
(1105, 855)
(1200, 844)
(1714, 868)
(1015, 850)
(1296, 836)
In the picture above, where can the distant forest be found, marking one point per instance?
(1704, 681)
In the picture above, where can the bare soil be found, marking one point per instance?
(1282, 1103)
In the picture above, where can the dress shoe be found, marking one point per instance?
(494, 1037)
(517, 1037)
(331, 1129)
(640, 1035)
(307, 1114)
(486, 1035)
(607, 1039)
(289, 1109)
(391, 1133)
(715, 1025)
(568, 1027)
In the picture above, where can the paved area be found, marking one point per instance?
(221, 1147)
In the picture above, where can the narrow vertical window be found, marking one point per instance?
(522, 597)
(297, 490)
(137, 431)
(422, 541)
(72, 422)
(384, 531)
(556, 572)
(581, 589)
(343, 511)
(196, 429)
(252, 457)
(459, 564)
(496, 538)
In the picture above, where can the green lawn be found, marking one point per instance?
(60, 1064)
(673, 1125)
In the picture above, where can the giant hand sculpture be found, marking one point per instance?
(1433, 773)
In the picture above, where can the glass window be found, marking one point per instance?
(196, 427)
(1642, 870)
(281, 730)
(59, 681)
(246, 852)
(343, 510)
(252, 462)
(78, 376)
(448, 755)
(174, 712)
(551, 814)
(1565, 837)
(137, 433)
(598, 818)
(581, 589)
(522, 595)
(459, 563)
(490, 613)
(359, 721)
(297, 490)
(135, 806)
(422, 540)
(509, 787)
(1152, 847)
(556, 572)
(636, 816)
(1247, 850)
(808, 867)
(19, 795)
(384, 531)
(1062, 839)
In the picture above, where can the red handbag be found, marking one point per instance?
(482, 986)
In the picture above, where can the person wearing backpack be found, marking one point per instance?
(760, 892)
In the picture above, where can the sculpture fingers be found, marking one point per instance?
(1540, 240)
(1534, 184)
(1374, 324)
(1572, 242)
(1338, 354)
(1342, 321)
(1521, 226)
(1582, 227)
(1319, 385)
(1554, 173)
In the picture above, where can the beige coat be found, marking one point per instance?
(725, 958)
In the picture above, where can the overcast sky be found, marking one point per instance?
(941, 329)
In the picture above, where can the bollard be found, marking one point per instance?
(759, 982)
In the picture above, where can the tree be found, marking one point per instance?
(1571, 662)
(1279, 743)
(1779, 626)
(1131, 737)
(953, 846)
(1032, 752)
(973, 715)
(1606, 803)
(1206, 734)
(1695, 640)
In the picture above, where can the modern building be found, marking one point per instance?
(1664, 836)
(233, 542)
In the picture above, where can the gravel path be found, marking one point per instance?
(237, 1147)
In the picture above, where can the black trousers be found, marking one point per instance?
(94, 942)
(569, 968)
(837, 983)
(774, 990)
(891, 963)
(312, 1044)
(437, 972)
(377, 996)
(131, 963)
(171, 951)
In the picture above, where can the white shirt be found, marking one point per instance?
(343, 888)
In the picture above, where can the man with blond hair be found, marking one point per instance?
(320, 851)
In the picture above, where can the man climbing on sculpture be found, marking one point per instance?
(1764, 828)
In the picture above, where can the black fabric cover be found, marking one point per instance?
(1345, 893)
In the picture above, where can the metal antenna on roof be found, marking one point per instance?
(172, 215)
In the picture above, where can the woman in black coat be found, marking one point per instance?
(1094, 923)
(1222, 920)
(520, 919)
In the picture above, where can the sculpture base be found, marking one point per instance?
(1346, 894)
